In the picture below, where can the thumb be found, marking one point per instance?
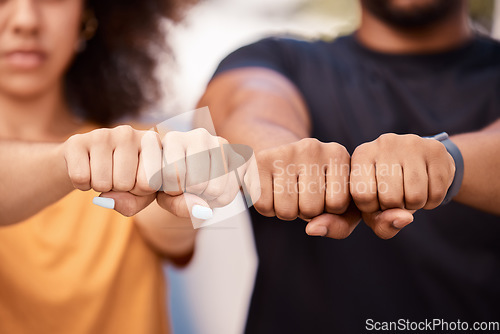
(185, 205)
(124, 202)
(386, 224)
(335, 226)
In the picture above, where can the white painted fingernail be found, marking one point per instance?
(202, 212)
(107, 203)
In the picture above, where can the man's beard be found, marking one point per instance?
(417, 15)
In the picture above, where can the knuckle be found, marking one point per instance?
(286, 215)
(336, 149)
(200, 133)
(337, 204)
(225, 199)
(386, 138)
(310, 210)
(436, 149)
(309, 145)
(415, 200)
(363, 197)
(214, 190)
(196, 189)
(101, 186)
(264, 207)
(391, 201)
(222, 140)
(123, 185)
(361, 151)
(144, 187)
(79, 179)
(171, 136)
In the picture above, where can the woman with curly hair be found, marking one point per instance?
(68, 69)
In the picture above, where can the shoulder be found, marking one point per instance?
(285, 54)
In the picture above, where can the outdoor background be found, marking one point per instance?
(212, 294)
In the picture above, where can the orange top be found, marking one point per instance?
(78, 268)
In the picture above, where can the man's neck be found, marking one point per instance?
(445, 35)
(39, 118)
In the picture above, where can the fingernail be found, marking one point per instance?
(202, 212)
(318, 231)
(400, 224)
(107, 203)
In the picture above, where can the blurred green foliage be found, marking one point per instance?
(347, 11)
(481, 11)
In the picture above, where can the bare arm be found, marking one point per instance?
(481, 183)
(257, 107)
(263, 109)
(32, 176)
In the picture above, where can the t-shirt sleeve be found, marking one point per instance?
(267, 53)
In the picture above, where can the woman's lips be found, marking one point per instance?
(24, 60)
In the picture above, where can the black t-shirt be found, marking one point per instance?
(446, 264)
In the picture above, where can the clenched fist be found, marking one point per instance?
(308, 179)
(130, 166)
(399, 172)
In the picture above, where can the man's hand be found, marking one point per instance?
(399, 172)
(307, 179)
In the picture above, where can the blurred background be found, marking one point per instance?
(212, 294)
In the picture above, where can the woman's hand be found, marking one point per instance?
(113, 162)
(129, 166)
(200, 171)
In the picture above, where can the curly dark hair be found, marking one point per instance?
(115, 74)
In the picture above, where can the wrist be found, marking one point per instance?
(60, 166)
(455, 153)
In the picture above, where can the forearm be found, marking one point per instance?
(32, 176)
(257, 133)
(170, 236)
(257, 107)
(481, 184)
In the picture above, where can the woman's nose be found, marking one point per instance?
(25, 17)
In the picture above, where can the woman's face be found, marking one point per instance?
(38, 40)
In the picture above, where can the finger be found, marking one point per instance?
(145, 185)
(125, 166)
(390, 185)
(78, 164)
(265, 204)
(197, 169)
(218, 177)
(233, 182)
(286, 197)
(101, 167)
(363, 181)
(335, 226)
(415, 185)
(252, 181)
(337, 195)
(386, 224)
(311, 192)
(149, 175)
(174, 166)
(439, 182)
(128, 204)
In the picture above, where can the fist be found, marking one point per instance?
(304, 179)
(399, 171)
(111, 160)
(198, 168)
